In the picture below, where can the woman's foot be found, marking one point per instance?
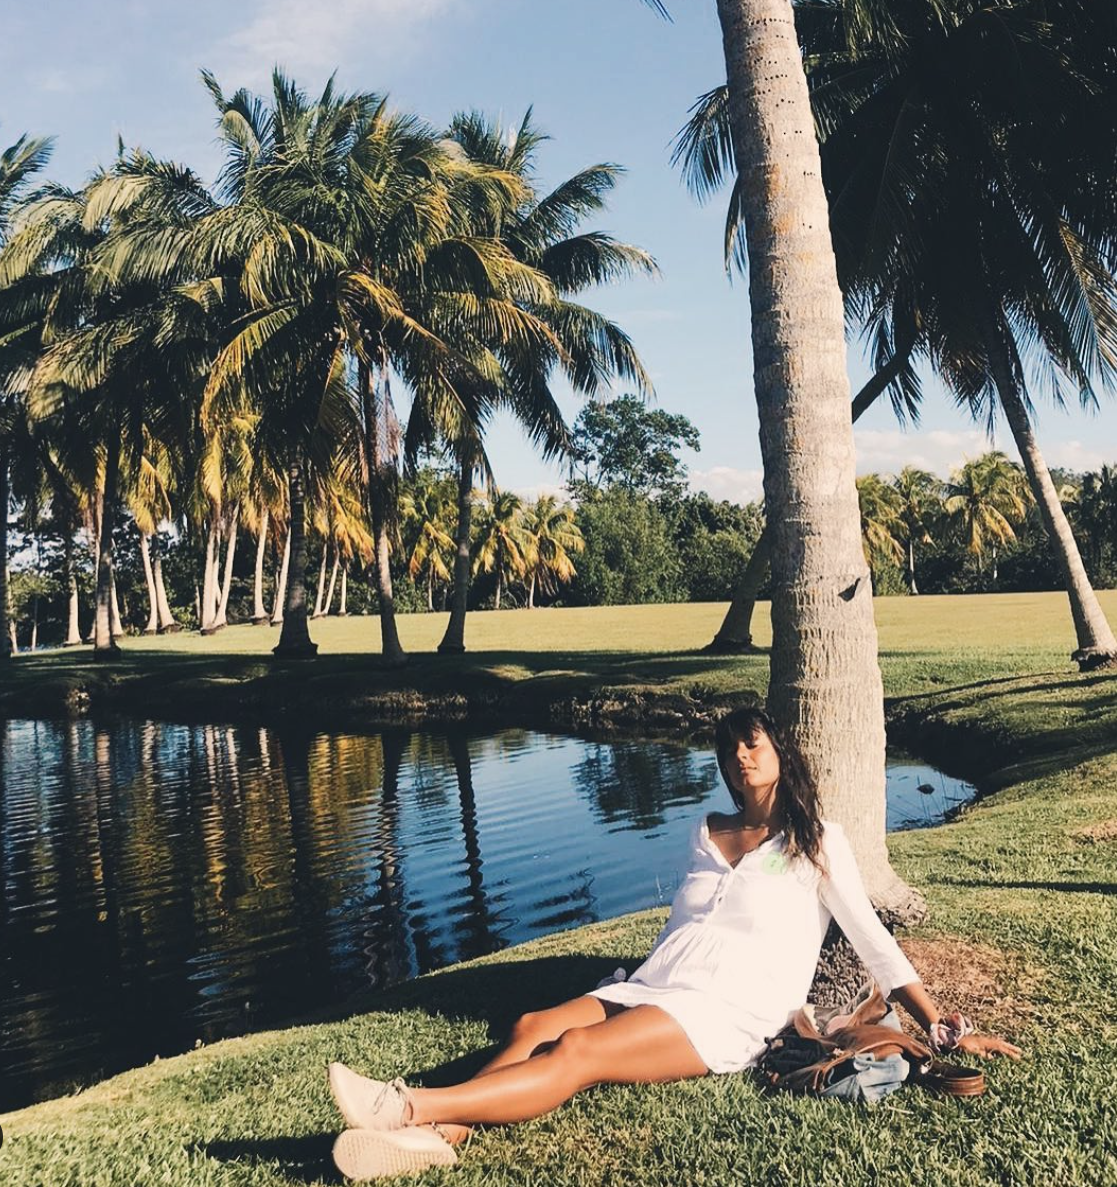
(373, 1154)
(367, 1103)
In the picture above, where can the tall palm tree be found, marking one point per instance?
(345, 224)
(553, 538)
(544, 232)
(879, 505)
(967, 199)
(920, 505)
(825, 679)
(20, 319)
(971, 220)
(502, 541)
(987, 498)
(425, 509)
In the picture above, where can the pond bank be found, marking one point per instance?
(1023, 909)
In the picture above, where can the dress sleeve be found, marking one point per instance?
(843, 894)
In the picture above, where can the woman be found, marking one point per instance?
(735, 960)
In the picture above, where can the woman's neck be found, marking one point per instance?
(760, 809)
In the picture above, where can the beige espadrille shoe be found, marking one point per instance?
(367, 1103)
(362, 1154)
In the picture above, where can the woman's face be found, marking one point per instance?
(753, 765)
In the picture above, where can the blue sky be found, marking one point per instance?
(609, 81)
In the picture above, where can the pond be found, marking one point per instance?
(167, 884)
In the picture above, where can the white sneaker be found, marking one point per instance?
(367, 1103)
(373, 1154)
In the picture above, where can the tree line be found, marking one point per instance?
(226, 360)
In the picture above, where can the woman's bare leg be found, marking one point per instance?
(639, 1045)
(532, 1031)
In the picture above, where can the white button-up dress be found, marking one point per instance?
(738, 954)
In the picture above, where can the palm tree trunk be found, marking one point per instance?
(379, 486)
(281, 582)
(453, 641)
(6, 646)
(149, 576)
(735, 633)
(1097, 646)
(208, 607)
(499, 579)
(912, 587)
(167, 623)
(343, 602)
(117, 624)
(294, 638)
(222, 617)
(734, 636)
(531, 591)
(825, 682)
(73, 626)
(104, 645)
(333, 582)
(320, 594)
(259, 613)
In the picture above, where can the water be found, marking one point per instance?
(165, 884)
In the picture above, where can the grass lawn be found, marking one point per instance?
(1022, 933)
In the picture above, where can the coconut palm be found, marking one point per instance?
(970, 216)
(977, 209)
(825, 679)
(920, 505)
(553, 536)
(20, 319)
(502, 540)
(987, 498)
(879, 504)
(545, 233)
(346, 226)
(426, 509)
(1096, 512)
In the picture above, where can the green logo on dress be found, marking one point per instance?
(774, 863)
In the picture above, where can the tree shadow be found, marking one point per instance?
(302, 1160)
(1061, 887)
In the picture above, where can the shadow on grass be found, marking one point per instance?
(303, 1160)
(1060, 887)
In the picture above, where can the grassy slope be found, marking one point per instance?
(984, 677)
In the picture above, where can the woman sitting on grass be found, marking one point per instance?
(735, 960)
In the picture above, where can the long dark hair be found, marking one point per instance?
(796, 792)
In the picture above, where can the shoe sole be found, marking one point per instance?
(369, 1154)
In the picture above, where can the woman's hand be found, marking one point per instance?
(986, 1045)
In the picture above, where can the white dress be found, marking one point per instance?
(738, 954)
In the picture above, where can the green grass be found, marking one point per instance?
(982, 684)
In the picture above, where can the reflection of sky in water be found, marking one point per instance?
(163, 883)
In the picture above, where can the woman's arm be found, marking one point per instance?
(917, 1001)
(843, 894)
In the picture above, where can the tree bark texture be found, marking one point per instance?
(259, 613)
(73, 626)
(380, 482)
(221, 618)
(453, 641)
(735, 633)
(167, 623)
(333, 583)
(149, 576)
(281, 582)
(104, 646)
(294, 638)
(1097, 646)
(825, 680)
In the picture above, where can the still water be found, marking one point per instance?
(165, 884)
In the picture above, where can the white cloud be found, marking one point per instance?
(886, 451)
(727, 482)
(312, 39)
(530, 493)
(1073, 455)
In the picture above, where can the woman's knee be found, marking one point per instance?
(531, 1027)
